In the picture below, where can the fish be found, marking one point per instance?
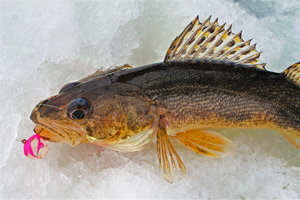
(210, 79)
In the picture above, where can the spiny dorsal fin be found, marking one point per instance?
(293, 73)
(209, 42)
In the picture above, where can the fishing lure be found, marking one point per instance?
(35, 147)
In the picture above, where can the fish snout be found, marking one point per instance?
(34, 114)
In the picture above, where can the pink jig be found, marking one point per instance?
(35, 147)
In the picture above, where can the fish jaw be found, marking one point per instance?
(49, 130)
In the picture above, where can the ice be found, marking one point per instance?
(46, 44)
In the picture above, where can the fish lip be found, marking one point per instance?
(38, 129)
(63, 136)
(62, 132)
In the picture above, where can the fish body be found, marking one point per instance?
(210, 78)
(213, 95)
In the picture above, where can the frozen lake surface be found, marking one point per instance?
(46, 44)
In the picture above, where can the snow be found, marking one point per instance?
(46, 44)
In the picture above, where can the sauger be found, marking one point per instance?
(210, 78)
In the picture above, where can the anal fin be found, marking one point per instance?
(170, 163)
(208, 143)
(291, 139)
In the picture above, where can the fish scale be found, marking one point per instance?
(226, 94)
(265, 85)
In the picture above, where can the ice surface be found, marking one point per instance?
(45, 44)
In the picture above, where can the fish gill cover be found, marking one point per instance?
(45, 45)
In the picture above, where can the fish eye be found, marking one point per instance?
(68, 85)
(78, 109)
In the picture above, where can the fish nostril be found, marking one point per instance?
(41, 104)
(53, 97)
(35, 111)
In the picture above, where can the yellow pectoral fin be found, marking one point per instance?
(291, 139)
(209, 143)
(169, 162)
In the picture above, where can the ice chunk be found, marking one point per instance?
(46, 44)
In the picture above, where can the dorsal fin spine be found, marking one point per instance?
(202, 33)
(249, 48)
(252, 56)
(169, 52)
(194, 34)
(168, 55)
(222, 45)
(175, 43)
(218, 48)
(208, 44)
(192, 37)
(240, 51)
(214, 42)
(192, 25)
(206, 39)
(230, 48)
(232, 36)
(195, 42)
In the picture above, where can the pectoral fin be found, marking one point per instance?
(169, 162)
(291, 139)
(208, 143)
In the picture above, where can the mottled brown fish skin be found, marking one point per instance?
(219, 95)
(114, 115)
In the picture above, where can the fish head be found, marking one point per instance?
(94, 111)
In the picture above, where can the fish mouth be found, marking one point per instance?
(52, 131)
(45, 134)
(72, 135)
